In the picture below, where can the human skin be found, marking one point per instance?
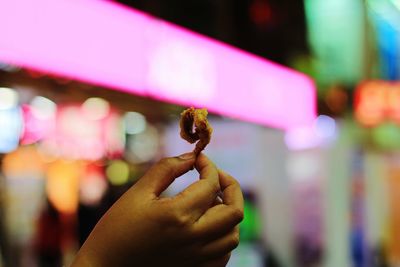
(194, 228)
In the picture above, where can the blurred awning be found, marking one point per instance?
(111, 45)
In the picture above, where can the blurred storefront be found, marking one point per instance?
(92, 102)
(69, 150)
(70, 146)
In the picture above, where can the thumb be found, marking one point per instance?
(164, 172)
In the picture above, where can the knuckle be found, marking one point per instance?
(180, 219)
(166, 165)
(215, 187)
(183, 220)
(175, 215)
(237, 214)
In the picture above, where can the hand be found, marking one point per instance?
(192, 228)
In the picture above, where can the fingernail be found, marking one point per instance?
(187, 156)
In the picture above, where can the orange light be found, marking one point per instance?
(377, 101)
(394, 103)
(63, 185)
(25, 161)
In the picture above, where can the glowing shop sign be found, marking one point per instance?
(377, 101)
(336, 38)
(111, 45)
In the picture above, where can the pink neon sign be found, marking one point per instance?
(107, 44)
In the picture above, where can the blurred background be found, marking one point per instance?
(326, 194)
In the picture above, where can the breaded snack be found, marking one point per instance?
(194, 126)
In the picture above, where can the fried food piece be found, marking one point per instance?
(196, 119)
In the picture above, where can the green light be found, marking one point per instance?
(396, 3)
(250, 227)
(387, 136)
(118, 172)
(336, 37)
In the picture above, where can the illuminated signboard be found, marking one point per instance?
(377, 101)
(110, 45)
(385, 18)
(336, 37)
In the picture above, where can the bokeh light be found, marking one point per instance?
(43, 108)
(302, 167)
(8, 98)
(325, 127)
(25, 161)
(93, 186)
(77, 136)
(39, 120)
(135, 122)
(322, 132)
(11, 124)
(118, 172)
(143, 147)
(95, 108)
(62, 185)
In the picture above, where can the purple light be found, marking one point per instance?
(323, 132)
(107, 44)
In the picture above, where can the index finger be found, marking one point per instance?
(200, 196)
